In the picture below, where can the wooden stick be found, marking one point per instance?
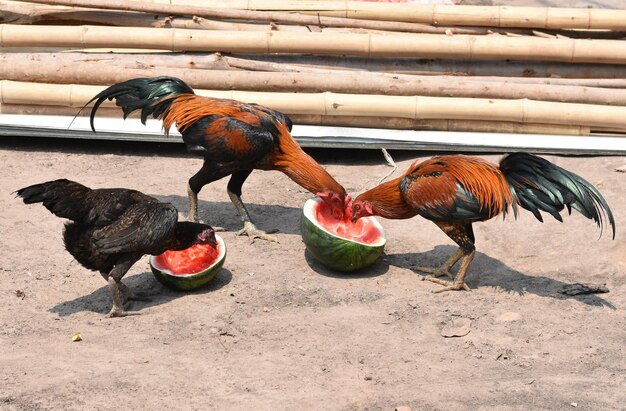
(343, 121)
(495, 16)
(340, 82)
(126, 60)
(217, 62)
(371, 45)
(331, 104)
(596, 82)
(300, 63)
(333, 64)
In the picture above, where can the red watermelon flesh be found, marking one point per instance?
(363, 231)
(191, 260)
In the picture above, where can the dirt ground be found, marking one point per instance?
(278, 331)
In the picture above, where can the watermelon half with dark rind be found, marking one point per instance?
(339, 244)
(176, 270)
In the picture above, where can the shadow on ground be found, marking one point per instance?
(489, 272)
(100, 300)
(380, 267)
(223, 214)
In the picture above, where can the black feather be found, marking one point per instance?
(152, 95)
(63, 198)
(540, 185)
(109, 226)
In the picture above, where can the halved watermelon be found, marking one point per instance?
(340, 244)
(191, 268)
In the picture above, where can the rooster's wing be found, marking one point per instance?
(455, 188)
(144, 228)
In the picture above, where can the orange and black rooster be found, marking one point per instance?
(233, 137)
(111, 229)
(455, 191)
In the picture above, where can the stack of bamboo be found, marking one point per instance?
(341, 63)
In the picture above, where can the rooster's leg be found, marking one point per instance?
(203, 177)
(115, 284)
(463, 235)
(444, 270)
(234, 192)
(193, 203)
(118, 307)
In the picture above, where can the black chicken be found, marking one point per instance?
(111, 229)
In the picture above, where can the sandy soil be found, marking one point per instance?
(278, 331)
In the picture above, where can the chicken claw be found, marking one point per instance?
(252, 232)
(121, 313)
(118, 307)
(449, 285)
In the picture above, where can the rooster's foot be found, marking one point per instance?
(434, 272)
(120, 312)
(118, 307)
(252, 232)
(448, 285)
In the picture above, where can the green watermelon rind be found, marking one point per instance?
(338, 253)
(192, 281)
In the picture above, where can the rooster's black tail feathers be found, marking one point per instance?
(540, 185)
(152, 95)
(63, 198)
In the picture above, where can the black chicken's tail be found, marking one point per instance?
(151, 95)
(63, 198)
(540, 185)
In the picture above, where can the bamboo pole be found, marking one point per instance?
(331, 104)
(341, 82)
(247, 15)
(496, 16)
(21, 13)
(371, 45)
(337, 121)
(15, 12)
(440, 125)
(47, 110)
(125, 19)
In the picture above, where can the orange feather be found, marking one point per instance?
(186, 109)
(302, 168)
(477, 176)
(387, 200)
